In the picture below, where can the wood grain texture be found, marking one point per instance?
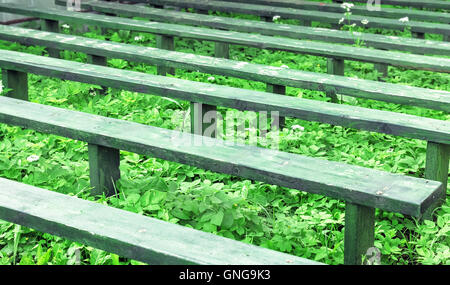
(354, 184)
(127, 234)
(51, 26)
(394, 93)
(103, 169)
(166, 43)
(261, 41)
(437, 166)
(16, 81)
(217, 95)
(291, 13)
(385, 12)
(359, 232)
(271, 29)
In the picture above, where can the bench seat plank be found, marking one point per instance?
(127, 234)
(259, 41)
(393, 13)
(291, 13)
(432, 4)
(354, 184)
(394, 93)
(271, 29)
(217, 95)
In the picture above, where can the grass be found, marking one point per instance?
(283, 219)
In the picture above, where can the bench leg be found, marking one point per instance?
(98, 60)
(436, 168)
(382, 70)
(167, 43)
(336, 67)
(446, 38)
(306, 23)
(277, 89)
(266, 19)
(51, 26)
(221, 50)
(359, 232)
(418, 35)
(17, 81)
(103, 169)
(203, 119)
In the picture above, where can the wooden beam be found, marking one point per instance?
(359, 232)
(203, 119)
(436, 168)
(279, 122)
(51, 26)
(16, 81)
(167, 43)
(103, 169)
(336, 67)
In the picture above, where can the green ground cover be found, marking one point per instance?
(287, 220)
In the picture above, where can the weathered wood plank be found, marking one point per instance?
(385, 12)
(359, 232)
(260, 41)
(354, 184)
(290, 31)
(218, 95)
(433, 4)
(127, 234)
(16, 81)
(395, 93)
(291, 13)
(103, 169)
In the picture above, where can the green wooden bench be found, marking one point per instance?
(271, 29)
(306, 16)
(436, 132)
(393, 13)
(362, 189)
(428, 4)
(127, 234)
(393, 93)
(167, 32)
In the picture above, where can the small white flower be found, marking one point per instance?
(65, 26)
(211, 78)
(347, 6)
(403, 20)
(353, 25)
(364, 22)
(298, 127)
(284, 66)
(138, 38)
(276, 17)
(341, 21)
(32, 158)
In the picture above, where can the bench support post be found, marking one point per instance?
(17, 81)
(446, 38)
(278, 89)
(359, 232)
(436, 168)
(418, 35)
(51, 26)
(167, 43)
(334, 66)
(382, 70)
(103, 169)
(98, 60)
(221, 50)
(203, 119)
